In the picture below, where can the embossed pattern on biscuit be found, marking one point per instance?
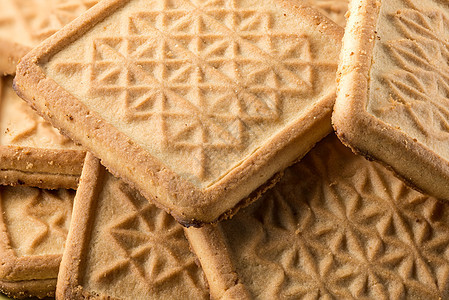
(339, 226)
(28, 22)
(21, 126)
(409, 87)
(36, 220)
(211, 80)
(138, 251)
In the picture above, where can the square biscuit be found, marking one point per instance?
(392, 92)
(121, 247)
(195, 103)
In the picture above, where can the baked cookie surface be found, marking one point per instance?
(202, 101)
(34, 226)
(336, 226)
(122, 247)
(392, 95)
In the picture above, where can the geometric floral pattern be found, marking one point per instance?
(36, 20)
(417, 84)
(51, 211)
(146, 248)
(37, 220)
(203, 76)
(338, 226)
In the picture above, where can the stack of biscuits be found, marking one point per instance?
(224, 149)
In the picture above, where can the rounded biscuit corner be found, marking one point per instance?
(350, 118)
(200, 215)
(364, 133)
(197, 215)
(228, 214)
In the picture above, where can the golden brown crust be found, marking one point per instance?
(363, 132)
(17, 178)
(42, 288)
(186, 202)
(42, 168)
(209, 245)
(34, 165)
(28, 267)
(72, 264)
(28, 159)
